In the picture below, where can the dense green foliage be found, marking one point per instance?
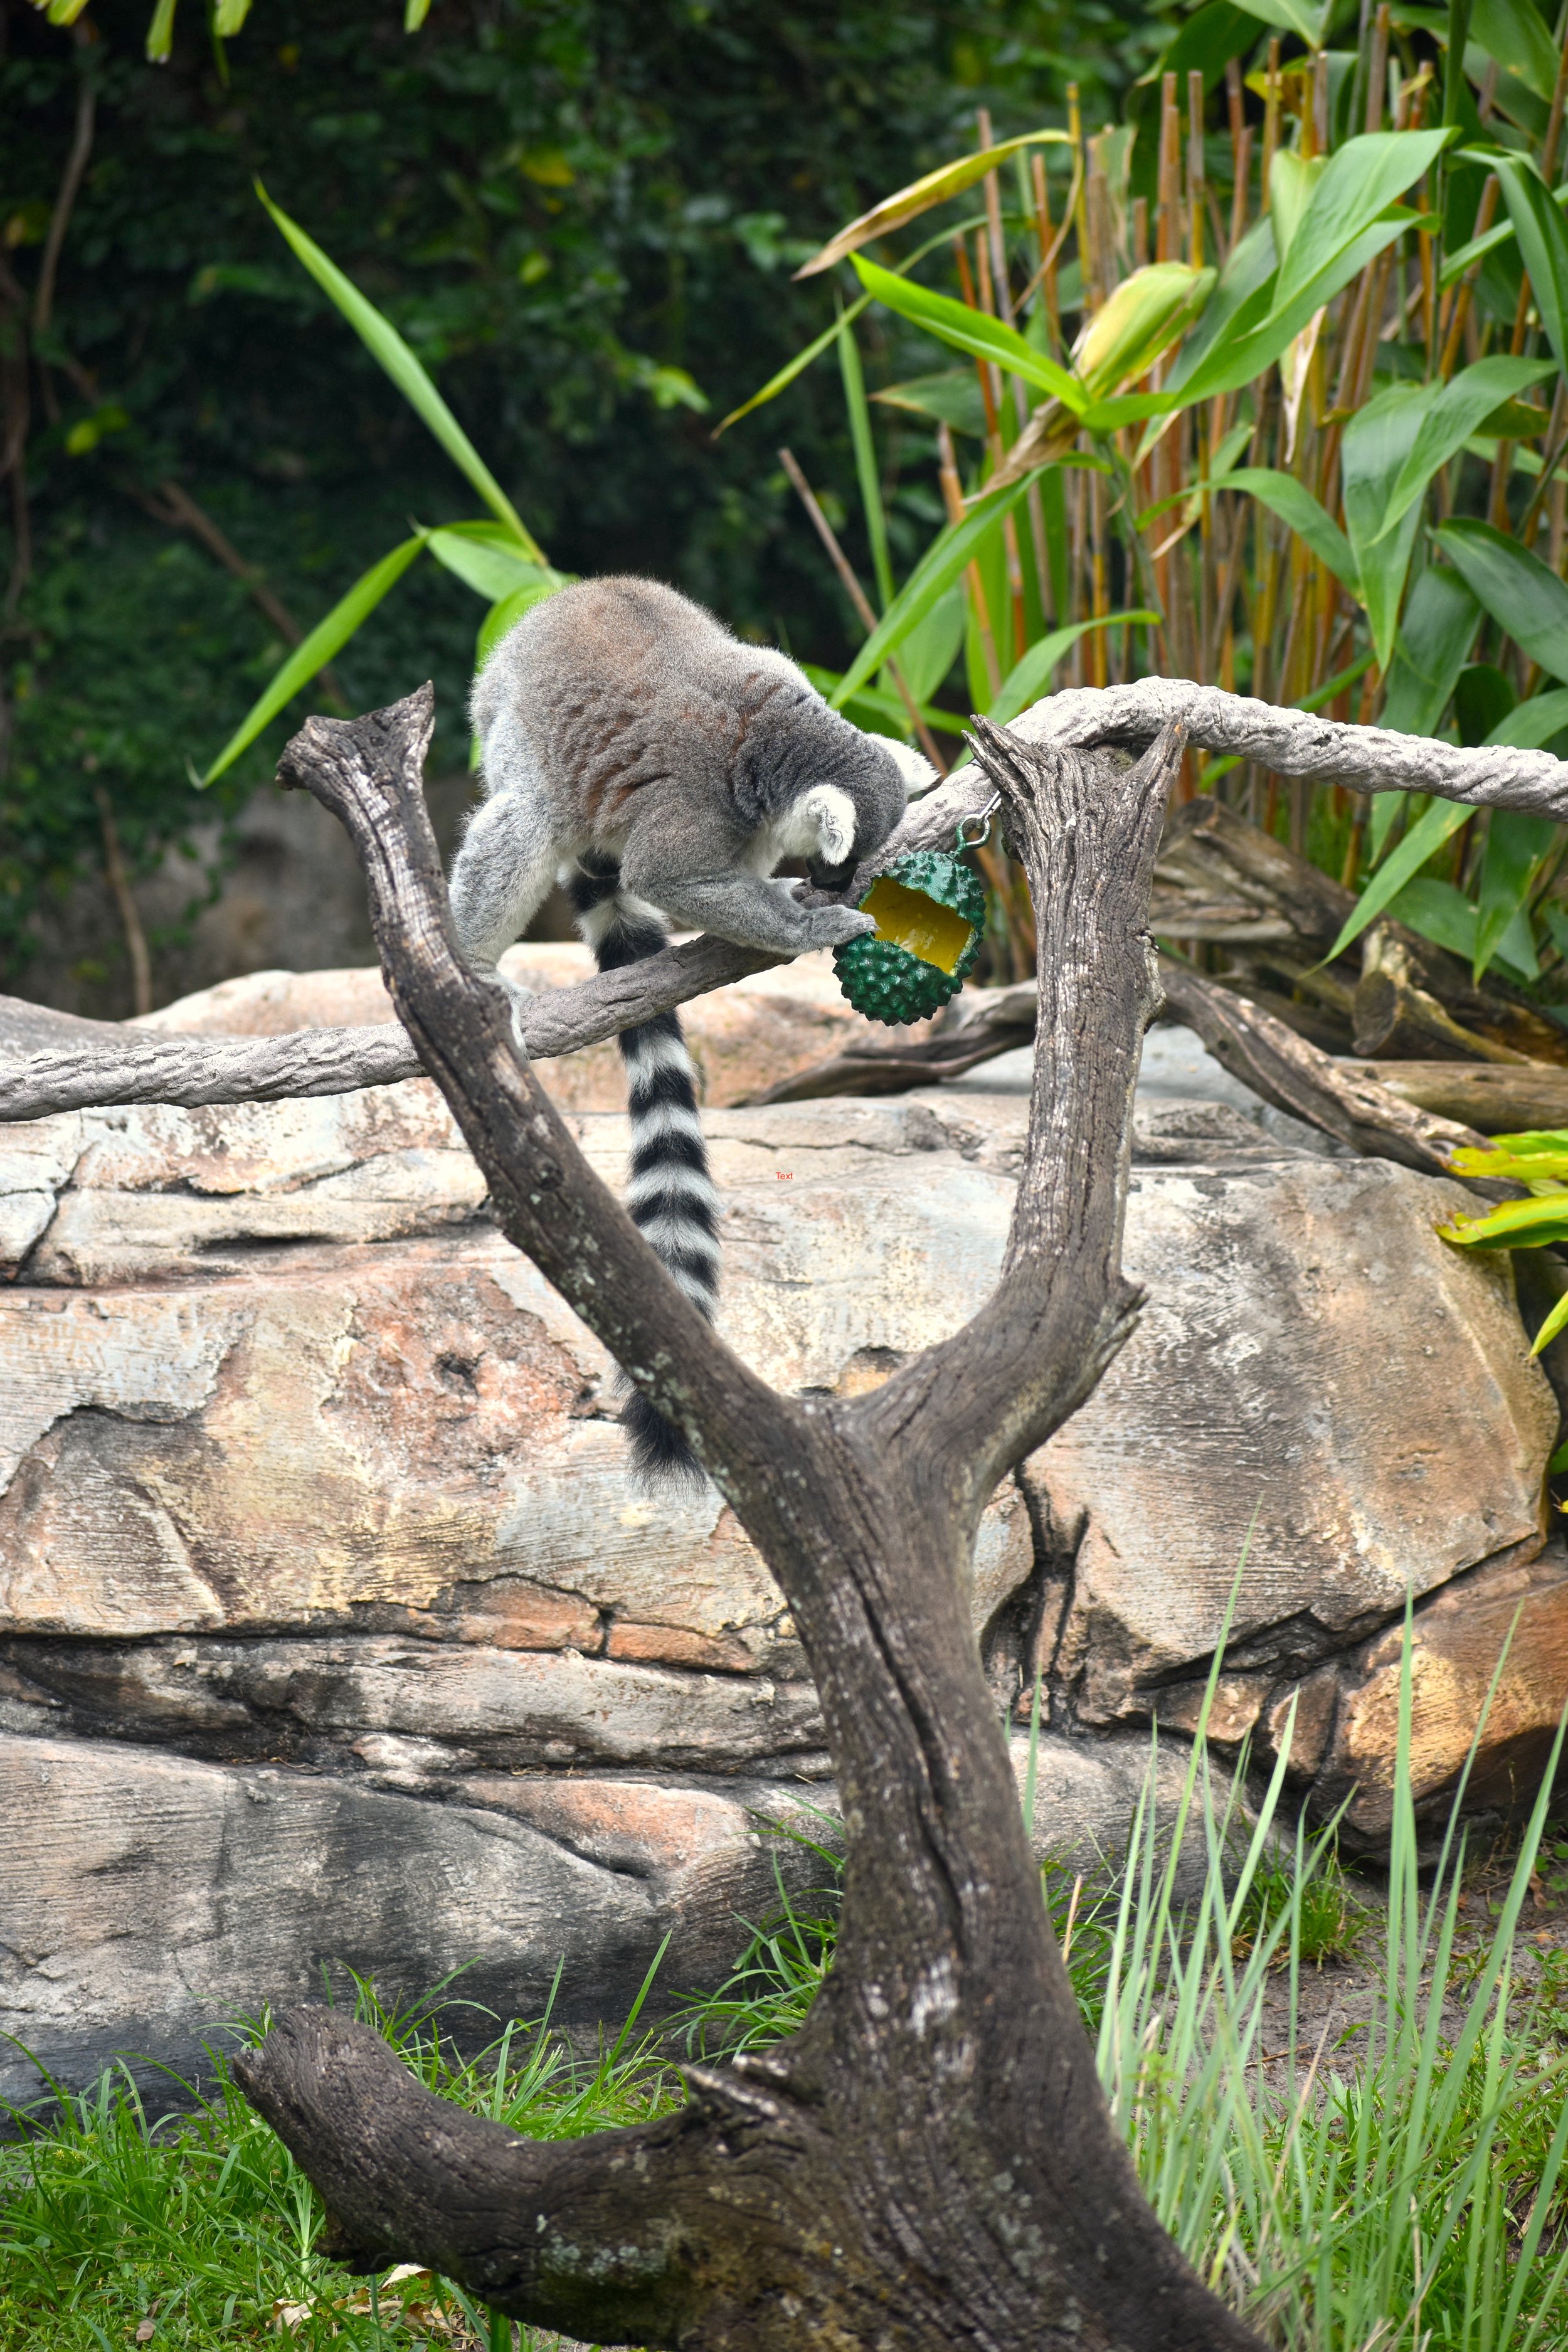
(582, 215)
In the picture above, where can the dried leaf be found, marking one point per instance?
(935, 188)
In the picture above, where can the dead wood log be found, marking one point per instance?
(1497, 1098)
(929, 2160)
(1338, 1098)
(1002, 1019)
(1224, 880)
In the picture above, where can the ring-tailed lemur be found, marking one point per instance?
(663, 769)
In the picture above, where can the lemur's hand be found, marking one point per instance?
(831, 926)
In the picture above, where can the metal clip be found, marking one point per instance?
(963, 839)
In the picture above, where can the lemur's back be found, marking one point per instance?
(612, 686)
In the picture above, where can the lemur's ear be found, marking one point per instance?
(916, 770)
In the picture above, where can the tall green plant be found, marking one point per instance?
(1271, 395)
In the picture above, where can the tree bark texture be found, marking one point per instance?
(134, 1065)
(930, 2162)
(1287, 742)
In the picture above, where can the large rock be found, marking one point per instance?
(332, 1630)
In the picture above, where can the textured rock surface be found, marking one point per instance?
(1310, 1354)
(1511, 1613)
(329, 1629)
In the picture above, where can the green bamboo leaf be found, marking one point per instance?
(885, 712)
(1512, 31)
(160, 33)
(1423, 841)
(1450, 417)
(1517, 847)
(1137, 324)
(1442, 913)
(792, 368)
(1029, 677)
(1540, 1155)
(486, 558)
(1531, 726)
(974, 331)
(1522, 594)
(1351, 216)
(936, 188)
(1555, 1321)
(508, 610)
(953, 397)
(1431, 649)
(865, 470)
(1308, 24)
(1377, 445)
(1512, 1224)
(1296, 507)
(1458, 261)
(1292, 184)
(1239, 304)
(943, 564)
(325, 639)
(1205, 44)
(387, 347)
(1542, 235)
(932, 647)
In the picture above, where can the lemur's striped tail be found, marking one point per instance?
(670, 1194)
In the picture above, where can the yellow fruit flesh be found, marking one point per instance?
(911, 920)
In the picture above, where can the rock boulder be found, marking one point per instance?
(331, 1630)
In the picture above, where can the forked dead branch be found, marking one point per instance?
(931, 2161)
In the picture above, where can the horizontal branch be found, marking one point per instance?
(143, 1066)
(1287, 742)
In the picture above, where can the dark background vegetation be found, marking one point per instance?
(582, 213)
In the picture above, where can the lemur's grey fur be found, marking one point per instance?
(637, 751)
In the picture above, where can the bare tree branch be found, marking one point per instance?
(132, 1066)
(1087, 835)
(1290, 742)
(335, 1061)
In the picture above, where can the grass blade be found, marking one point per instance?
(386, 346)
(325, 639)
(935, 573)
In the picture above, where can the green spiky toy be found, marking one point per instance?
(930, 915)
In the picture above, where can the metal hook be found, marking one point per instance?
(983, 819)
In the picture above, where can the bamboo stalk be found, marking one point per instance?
(1377, 79)
(1242, 169)
(953, 497)
(1459, 308)
(1075, 133)
(1196, 181)
(1270, 120)
(858, 598)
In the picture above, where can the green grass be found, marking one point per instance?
(1395, 2186)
